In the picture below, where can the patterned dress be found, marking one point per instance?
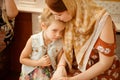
(113, 73)
(39, 50)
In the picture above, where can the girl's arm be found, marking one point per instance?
(25, 55)
(105, 62)
(11, 8)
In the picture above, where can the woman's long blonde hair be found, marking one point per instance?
(85, 13)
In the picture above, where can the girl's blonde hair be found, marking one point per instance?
(48, 18)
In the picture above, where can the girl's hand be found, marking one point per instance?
(44, 61)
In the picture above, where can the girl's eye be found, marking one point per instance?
(54, 30)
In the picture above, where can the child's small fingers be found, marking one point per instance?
(45, 56)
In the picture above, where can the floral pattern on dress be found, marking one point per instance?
(104, 50)
(113, 73)
(36, 74)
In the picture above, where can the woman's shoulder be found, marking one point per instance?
(107, 35)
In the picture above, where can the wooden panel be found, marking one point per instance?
(23, 30)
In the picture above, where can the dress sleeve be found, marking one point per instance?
(105, 48)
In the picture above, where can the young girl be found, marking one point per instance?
(89, 41)
(40, 56)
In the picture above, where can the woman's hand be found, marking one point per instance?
(63, 78)
(66, 78)
(59, 73)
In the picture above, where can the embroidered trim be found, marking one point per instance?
(104, 50)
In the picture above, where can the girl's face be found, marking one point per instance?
(55, 31)
(62, 16)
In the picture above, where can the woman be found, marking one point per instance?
(89, 41)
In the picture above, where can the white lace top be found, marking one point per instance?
(39, 49)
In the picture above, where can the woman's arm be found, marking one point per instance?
(105, 62)
(62, 61)
(11, 8)
(59, 56)
(60, 71)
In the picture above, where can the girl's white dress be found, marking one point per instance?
(39, 49)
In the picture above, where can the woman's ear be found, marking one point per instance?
(43, 26)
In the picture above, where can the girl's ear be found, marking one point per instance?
(43, 26)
